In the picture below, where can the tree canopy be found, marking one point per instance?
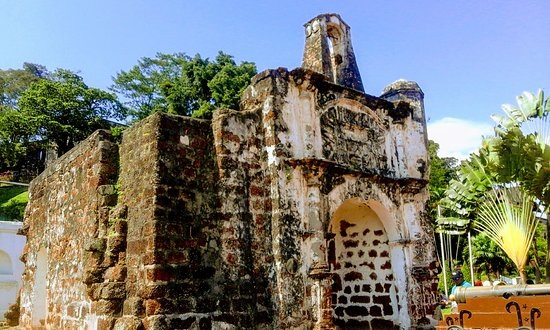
(518, 156)
(44, 110)
(442, 171)
(179, 84)
(41, 110)
(522, 144)
(14, 82)
(66, 110)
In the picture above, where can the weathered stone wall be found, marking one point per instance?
(245, 214)
(305, 209)
(63, 217)
(169, 182)
(327, 145)
(328, 51)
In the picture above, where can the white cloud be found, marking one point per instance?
(458, 137)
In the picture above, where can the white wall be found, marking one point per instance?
(11, 247)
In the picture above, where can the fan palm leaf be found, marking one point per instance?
(506, 217)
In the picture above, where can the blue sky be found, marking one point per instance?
(469, 57)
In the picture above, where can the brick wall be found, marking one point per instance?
(237, 222)
(62, 219)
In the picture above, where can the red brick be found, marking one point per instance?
(159, 274)
(152, 307)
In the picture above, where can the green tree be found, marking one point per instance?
(16, 133)
(442, 170)
(64, 110)
(140, 86)
(515, 156)
(537, 254)
(492, 208)
(14, 82)
(183, 85)
(473, 180)
(488, 257)
(522, 145)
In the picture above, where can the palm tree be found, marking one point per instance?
(522, 145)
(507, 217)
(473, 180)
(519, 153)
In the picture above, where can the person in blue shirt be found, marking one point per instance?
(458, 279)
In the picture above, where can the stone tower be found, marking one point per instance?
(328, 51)
(303, 209)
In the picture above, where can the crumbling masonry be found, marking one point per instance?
(305, 209)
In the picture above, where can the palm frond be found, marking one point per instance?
(507, 218)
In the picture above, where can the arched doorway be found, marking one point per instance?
(6, 267)
(363, 291)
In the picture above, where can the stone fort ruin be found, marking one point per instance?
(304, 209)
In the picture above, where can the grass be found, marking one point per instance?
(12, 202)
(9, 192)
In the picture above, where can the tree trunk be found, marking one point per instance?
(523, 276)
(536, 262)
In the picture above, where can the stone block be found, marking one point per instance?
(96, 245)
(163, 274)
(156, 322)
(116, 273)
(112, 290)
(133, 306)
(129, 323)
(107, 307)
(93, 275)
(183, 323)
(106, 323)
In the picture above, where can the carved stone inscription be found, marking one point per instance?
(353, 138)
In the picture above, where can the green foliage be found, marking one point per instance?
(183, 85)
(140, 86)
(487, 257)
(441, 283)
(13, 201)
(473, 180)
(537, 254)
(65, 110)
(42, 111)
(116, 133)
(466, 272)
(522, 144)
(442, 170)
(14, 82)
(16, 131)
(518, 155)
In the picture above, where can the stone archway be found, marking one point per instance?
(363, 291)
